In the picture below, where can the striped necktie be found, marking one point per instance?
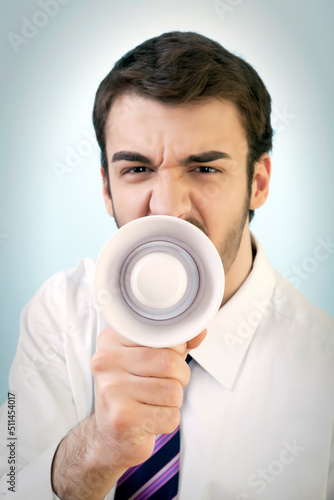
(158, 477)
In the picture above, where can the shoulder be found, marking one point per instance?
(287, 310)
(64, 299)
(293, 308)
(70, 280)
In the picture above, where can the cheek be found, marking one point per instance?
(222, 208)
(129, 203)
(216, 202)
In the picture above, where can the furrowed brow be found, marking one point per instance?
(131, 156)
(205, 157)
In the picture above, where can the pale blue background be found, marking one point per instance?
(47, 92)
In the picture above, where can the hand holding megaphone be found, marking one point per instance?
(159, 281)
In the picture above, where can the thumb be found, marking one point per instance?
(196, 341)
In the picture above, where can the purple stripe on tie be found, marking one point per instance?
(161, 478)
(128, 474)
(160, 441)
(130, 471)
(163, 439)
(160, 482)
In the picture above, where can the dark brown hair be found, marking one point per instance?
(185, 67)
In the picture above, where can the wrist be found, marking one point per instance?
(82, 467)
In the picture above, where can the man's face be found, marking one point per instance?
(187, 161)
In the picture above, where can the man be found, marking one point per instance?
(184, 130)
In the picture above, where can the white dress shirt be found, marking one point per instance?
(257, 416)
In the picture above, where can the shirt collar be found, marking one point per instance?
(231, 331)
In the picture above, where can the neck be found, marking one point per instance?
(241, 266)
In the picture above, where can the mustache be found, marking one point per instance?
(200, 226)
(191, 220)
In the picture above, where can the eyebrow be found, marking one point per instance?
(131, 156)
(205, 157)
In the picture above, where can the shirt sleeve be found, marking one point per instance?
(33, 481)
(41, 387)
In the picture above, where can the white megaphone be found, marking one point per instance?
(159, 281)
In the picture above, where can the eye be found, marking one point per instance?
(205, 170)
(136, 170)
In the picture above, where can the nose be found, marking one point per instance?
(170, 196)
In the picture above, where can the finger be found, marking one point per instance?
(150, 419)
(154, 391)
(130, 417)
(134, 428)
(108, 338)
(159, 363)
(196, 341)
(161, 419)
(142, 362)
(184, 349)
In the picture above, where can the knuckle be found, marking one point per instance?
(144, 355)
(173, 420)
(167, 360)
(149, 425)
(103, 361)
(98, 363)
(103, 336)
(167, 419)
(186, 375)
(111, 388)
(119, 419)
(174, 393)
(106, 338)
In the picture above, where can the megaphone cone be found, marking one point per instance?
(159, 281)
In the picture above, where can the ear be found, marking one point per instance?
(105, 192)
(260, 184)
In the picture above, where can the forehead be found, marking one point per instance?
(139, 122)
